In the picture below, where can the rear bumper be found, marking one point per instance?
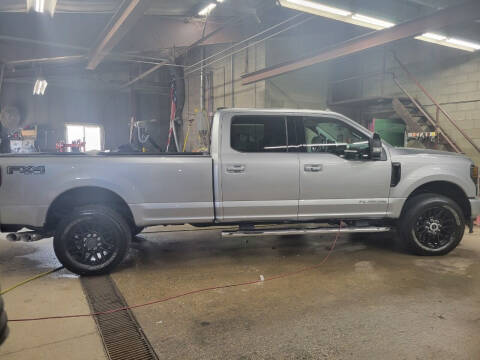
(475, 207)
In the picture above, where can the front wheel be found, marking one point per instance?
(92, 240)
(3, 323)
(431, 224)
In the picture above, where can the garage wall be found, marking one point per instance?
(308, 87)
(94, 99)
(60, 105)
(220, 90)
(302, 89)
(451, 76)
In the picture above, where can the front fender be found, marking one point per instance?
(412, 179)
(416, 174)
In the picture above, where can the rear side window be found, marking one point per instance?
(258, 134)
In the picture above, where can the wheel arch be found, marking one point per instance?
(65, 202)
(445, 188)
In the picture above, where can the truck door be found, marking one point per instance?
(337, 179)
(259, 173)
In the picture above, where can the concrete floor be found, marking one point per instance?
(369, 301)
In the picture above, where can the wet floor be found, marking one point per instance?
(59, 293)
(368, 301)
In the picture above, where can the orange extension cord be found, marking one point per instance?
(276, 277)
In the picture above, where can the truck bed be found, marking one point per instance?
(102, 153)
(162, 188)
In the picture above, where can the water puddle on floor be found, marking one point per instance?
(446, 265)
(42, 257)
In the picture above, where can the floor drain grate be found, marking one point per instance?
(121, 335)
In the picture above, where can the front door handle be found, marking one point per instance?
(236, 169)
(312, 167)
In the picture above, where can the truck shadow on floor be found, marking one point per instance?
(172, 249)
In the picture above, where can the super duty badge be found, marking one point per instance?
(26, 170)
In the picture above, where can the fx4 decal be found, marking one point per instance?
(26, 170)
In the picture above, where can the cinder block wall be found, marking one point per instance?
(451, 76)
(306, 88)
(220, 90)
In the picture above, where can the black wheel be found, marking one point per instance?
(431, 224)
(3, 323)
(92, 240)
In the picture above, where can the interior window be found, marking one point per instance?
(90, 134)
(258, 134)
(335, 137)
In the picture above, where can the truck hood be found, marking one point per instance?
(411, 151)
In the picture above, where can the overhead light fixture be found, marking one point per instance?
(40, 6)
(372, 22)
(450, 42)
(433, 36)
(319, 9)
(207, 9)
(312, 5)
(40, 86)
(463, 43)
(347, 16)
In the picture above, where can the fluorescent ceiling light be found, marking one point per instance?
(378, 23)
(450, 42)
(317, 6)
(463, 43)
(220, 1)
(207, 9)
(40, 87)
(434, 36)
(40, 6)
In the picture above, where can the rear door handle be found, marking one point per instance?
(236, 169)
(312, 167)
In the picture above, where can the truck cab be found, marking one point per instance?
(296, 165)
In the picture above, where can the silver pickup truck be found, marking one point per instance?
(264, 167)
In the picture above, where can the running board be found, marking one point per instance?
(329, 230)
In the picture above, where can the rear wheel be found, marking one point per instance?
(431, 224)
(92, 240)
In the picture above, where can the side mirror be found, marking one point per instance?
(375, 145)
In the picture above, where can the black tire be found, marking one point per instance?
(431, 224)
(137, 230)
(202, 225)
(92, 240)
(3, 323)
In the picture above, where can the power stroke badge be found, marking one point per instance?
(26, 170)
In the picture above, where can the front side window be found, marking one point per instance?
(257, 133)
(333, 136)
